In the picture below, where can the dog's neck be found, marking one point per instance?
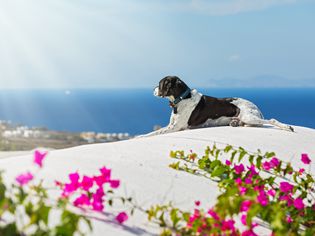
(187, 94)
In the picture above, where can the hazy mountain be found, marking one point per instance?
(265, 81)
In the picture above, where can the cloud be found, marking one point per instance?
(234, 57)
(231, 7)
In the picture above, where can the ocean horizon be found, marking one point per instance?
(137, 111)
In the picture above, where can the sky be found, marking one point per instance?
(133, 44)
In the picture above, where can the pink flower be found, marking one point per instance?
(39, 157)
(86, 183)
(227, 162)
(197, 212)
(266, 165)
(23, 179)
(100, 192)
(239, 168)
(305, 159)
(287, 198)
(243, 219)
(97, 206)
(259, 188)
(238, 181)
(114, 183)
(82, 200)
(72, 186)
(58, 183)
(298, 203)
(274, 162)
(242, 190)
(286, 187)
(271, 192)
(97, 199)
(195, 216)
(262, 198)
(122, 217)
(248, 181)
(301, 171)
(98, 195)
(100, 180)
(197, 203)
(191, 220)
(245, 205)
(106, 173)
(252, 170)
(213, 214)
(289, 219)
(249, 232)
(228, 225)
(74, 177)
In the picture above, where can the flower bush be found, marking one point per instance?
(25, 206)
(264, 192)
(89, 192)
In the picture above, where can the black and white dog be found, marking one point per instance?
(194, 110)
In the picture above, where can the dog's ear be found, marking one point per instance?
(179, 82)
(167, 89)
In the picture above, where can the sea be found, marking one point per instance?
(137, 111)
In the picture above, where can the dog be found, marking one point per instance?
(192, 109)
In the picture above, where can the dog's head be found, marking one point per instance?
(170, 87)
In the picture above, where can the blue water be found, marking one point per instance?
(137, 111)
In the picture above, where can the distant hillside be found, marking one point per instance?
(262, 81)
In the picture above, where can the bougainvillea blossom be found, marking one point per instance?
(305, 159)
(122, 217)
(23, 179)
(39, 157)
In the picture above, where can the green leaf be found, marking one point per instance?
(9, 230)
(251, 159)
(175, 165)
(227, 148)
(258, 161)
(252, 212)
(174, 217)
(309, 179)
(44, 213)
(21, 195)
(162, 220)
(2, 194)
(277, 221)
(232, 156)
(201, 163)
(173, 154)
(217, 152)
(269, 154)
(110, 202)
(215, 163)
(29, 208)
(218, 170)
(241, 156)
(207, 151)
(186, 216)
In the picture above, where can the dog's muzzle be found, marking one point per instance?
(156, 91)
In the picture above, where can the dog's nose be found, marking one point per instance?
(156, 91)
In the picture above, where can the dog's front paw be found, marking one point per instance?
(235, 122)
